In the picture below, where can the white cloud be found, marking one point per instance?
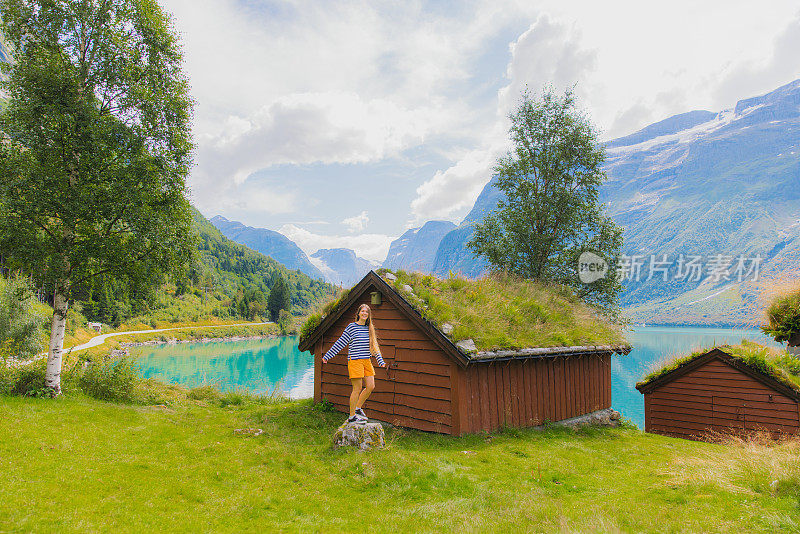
(548, 52)
(453, 189)
(302, 82)
(750, 78)
(369, 246)
(242, 201)
(356, 223)
(311, 128)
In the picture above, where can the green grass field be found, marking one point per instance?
(77, 464)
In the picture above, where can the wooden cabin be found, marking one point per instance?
(432, 384)
(718, 392)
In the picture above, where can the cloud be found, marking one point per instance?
(242, 201)
(757, 76)
(453, 189)
(370, 246)
(303, 129)
(546, 53)
(356, 223)
(302, 82)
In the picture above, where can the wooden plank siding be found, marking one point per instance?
(414, 391)
(425, 388)
(717, 397)
(532, 391)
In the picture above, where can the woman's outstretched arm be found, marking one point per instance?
(341, 343)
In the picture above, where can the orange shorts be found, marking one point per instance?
(360, 368)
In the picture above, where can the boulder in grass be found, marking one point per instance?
(363, 436)
(604, 417)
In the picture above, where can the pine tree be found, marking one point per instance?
(279, 298)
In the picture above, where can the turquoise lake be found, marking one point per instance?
(276, 364)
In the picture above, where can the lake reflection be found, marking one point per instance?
(256, 365)
(264, 365)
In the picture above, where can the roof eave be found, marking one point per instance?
(768, 380)
(544, 352)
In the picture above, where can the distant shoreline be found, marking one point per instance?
(155, 342)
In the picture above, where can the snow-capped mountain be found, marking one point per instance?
(415, 250)
(341, 266)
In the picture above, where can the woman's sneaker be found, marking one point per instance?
(357, 419)
(360, 412)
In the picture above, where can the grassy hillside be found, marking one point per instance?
(75, 464)
(225, 280)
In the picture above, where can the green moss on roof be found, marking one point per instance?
(497, 313)
(773, 362)
(502, 312)
(315, 319)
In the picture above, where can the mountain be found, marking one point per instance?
(713, 185)
(232, 268)
(415, 250)
(707, 184)
(452, 253)
(270, 243)
(341, 266)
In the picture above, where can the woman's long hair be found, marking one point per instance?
(374, 346)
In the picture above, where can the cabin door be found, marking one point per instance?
(728, 414)
(381, 402)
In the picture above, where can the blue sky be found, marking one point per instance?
(342, 124)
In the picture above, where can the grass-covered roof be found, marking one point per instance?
(780, 365)
(499, 312)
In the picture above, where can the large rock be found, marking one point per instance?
(364, 436)
(604, 417)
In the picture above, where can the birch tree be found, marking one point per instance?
(550, 214)
(96, 148)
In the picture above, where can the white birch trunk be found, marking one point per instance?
(52, 377)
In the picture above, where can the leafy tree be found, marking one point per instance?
(97, 147)
(19, 323)
(279, 298)
(550, 214)
(784, 318)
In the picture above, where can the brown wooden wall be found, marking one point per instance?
(532, 391)
(413, 391)
(423, 388)
(718, 397)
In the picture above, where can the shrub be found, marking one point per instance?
(20, 324)
(784, 316)
(112, 380)
(286, 322)
(25, 380)
(206, 392)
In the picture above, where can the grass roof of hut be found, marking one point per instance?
(500, 312)
(779, 364)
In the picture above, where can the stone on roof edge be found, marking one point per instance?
(536, 351)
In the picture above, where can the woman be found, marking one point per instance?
(360, 335)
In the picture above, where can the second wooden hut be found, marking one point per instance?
(728, 389)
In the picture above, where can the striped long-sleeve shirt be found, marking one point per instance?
(357, 336)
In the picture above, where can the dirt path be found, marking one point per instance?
(99, 340)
